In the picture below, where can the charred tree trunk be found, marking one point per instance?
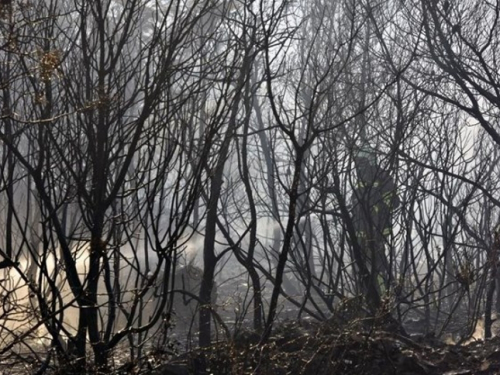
(209, 256)
(287, 242)
(491, 287)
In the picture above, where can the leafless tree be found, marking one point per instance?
(99, 122)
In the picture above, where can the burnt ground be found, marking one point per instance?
(351, 345)
(306, 347)
(298, 348)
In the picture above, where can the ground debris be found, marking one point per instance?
(319, 349)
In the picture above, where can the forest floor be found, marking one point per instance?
(318, 349)
(312, 348)
(350, 345)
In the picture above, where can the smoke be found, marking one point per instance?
(192, 246)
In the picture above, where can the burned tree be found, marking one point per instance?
(374, 199)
